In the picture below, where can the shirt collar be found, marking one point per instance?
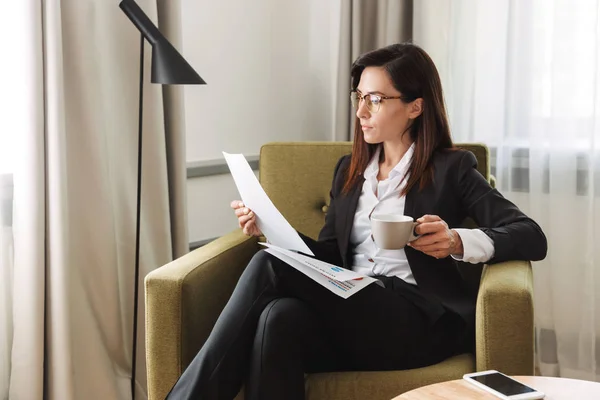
(373, 167)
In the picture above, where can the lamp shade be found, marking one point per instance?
(168, 66)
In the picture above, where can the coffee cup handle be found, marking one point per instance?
(414, 236)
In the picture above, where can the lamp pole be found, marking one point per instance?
(137, 224)
(169, 68)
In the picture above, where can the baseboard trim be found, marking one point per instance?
(199, 169)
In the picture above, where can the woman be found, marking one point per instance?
(279, 324)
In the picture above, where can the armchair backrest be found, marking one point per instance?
(297, 177)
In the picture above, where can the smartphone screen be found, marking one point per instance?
(503, 384)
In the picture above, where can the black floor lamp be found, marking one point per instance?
(170, 68)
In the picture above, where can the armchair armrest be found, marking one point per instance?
(184, 299)
(504, 319)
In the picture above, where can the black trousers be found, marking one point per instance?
(280, 324)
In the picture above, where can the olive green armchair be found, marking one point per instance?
(185, 297)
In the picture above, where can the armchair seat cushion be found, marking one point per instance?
(374, 385)
(384, 384)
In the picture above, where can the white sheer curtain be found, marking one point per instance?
(6, 271)
(524, 78)
(19, 106)
(6, 274)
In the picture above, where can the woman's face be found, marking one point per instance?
(393, 117)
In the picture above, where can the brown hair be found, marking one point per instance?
(414, 75)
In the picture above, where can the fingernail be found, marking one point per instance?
(246, 210)
(251, 214)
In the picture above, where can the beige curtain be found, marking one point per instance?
(364, 25)
(75, 200)
(169, 22)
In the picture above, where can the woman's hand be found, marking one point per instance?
(246, 218)
(438, 240)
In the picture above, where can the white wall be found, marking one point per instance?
(209, 214)
(270, 67)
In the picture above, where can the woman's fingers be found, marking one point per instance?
(428, 239)
(242, 211)
(236, 204)
(245, 229)
(248, 224)
(430, 227)
(431, 248)
(437, 250)
(243, 219)
(249, 228)
(428, 218)
(435, 241)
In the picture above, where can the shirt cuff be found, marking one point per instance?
(477, 246)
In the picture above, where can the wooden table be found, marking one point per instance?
(554, 388)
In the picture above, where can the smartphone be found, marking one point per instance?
(503, 386)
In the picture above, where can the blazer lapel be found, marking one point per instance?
(347, 210)
(409, 204)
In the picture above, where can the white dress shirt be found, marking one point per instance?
(383, 197)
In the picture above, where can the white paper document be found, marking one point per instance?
(268, 218)
(339, 280)
(283, 238)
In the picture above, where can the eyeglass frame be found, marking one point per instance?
(360, 97)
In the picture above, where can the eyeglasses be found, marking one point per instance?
(373, 101)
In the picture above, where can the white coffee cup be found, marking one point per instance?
(392, 231)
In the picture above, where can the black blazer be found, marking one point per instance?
(458, 191)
